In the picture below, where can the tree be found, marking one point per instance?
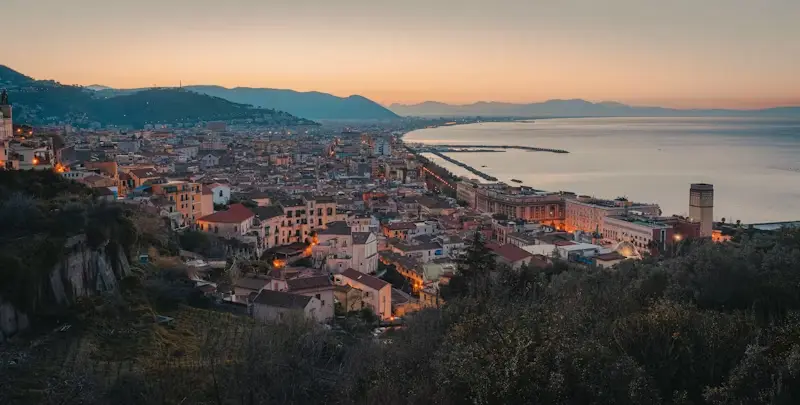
(474, 268)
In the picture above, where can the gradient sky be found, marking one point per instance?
(682, 53)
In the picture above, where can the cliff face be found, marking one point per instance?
(82, 272)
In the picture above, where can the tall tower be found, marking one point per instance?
(701, 207)
(6, 126)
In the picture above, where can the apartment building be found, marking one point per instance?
(586, 214)
(187, 197)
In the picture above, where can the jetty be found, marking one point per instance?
(464, 165)
(447, 147)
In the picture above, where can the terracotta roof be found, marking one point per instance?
(563, 243)
(207, 191)
(511, 252)
(307, 283)
(369, 281)
(235, 214)
(281, 299)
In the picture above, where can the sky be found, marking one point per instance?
(676, 53)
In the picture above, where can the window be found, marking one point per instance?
(288, 214)
(320, 222)
(330, 211)
(319, 211)
(220, 193)
(235, 228)
(319, 297)
(216, 229)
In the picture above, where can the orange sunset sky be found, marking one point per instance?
(677, 53)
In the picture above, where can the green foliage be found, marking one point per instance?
(40, 211)
(474, 271)
(43, 102)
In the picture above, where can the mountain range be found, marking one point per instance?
(48, 102)
(575, 108)
(312, 105)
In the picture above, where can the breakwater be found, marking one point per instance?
(464, 165)
(429, 148)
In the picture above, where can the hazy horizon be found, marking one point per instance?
(718, 53)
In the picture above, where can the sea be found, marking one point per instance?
(753, 163)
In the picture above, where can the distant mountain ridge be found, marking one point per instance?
(575, 108)
(49, 102)
(312, 105)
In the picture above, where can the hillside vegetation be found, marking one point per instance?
(718, 324)
(49, 102)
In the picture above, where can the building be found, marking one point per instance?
(645, 234)
(423, 252)
(279, 306)
(221, 193)
(701, 207)
(186, 197)
(586, 214)
(608, 260)
(140, 177)
(382, 147)
(236, 221)
(319, 287)
(209, 160)
(306, 215)
(339, 248)
(270, 219)
(206, 201)
(466, 192)
(514, 256)
(6, 129)
(398, 230)
(521, 203)
(376, 293)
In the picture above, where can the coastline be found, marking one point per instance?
(646, 159)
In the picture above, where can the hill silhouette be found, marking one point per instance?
(312, 105)
(49, 102)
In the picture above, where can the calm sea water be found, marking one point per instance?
(754, 164)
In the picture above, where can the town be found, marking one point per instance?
(340, 218)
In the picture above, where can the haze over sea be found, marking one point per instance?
(754, 164)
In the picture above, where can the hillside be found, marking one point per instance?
(48, 102)
(576, 108)
(313, 105)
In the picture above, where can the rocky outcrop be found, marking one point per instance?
(83, 272)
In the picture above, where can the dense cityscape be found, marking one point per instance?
(405, 203)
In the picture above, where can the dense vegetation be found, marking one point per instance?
(40, 211)
(46, 102)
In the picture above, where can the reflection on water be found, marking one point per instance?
(754, 164)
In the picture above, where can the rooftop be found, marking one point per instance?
(235, 214)
(369, 281)
(281, 299)
(307, 283)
